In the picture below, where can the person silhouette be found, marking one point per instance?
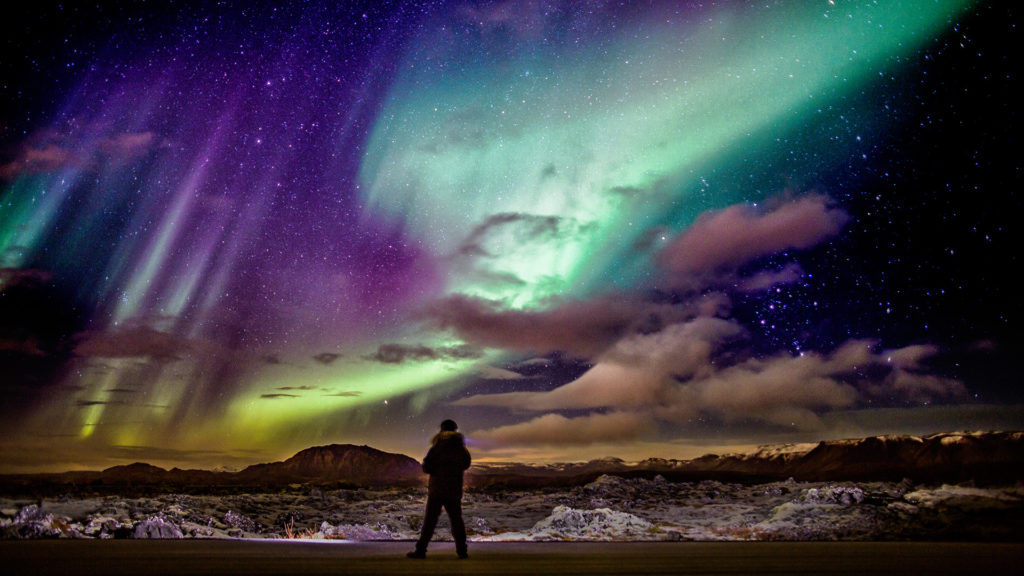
(445, 462)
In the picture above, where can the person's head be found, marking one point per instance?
(449, 426)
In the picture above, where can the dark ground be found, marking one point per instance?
(221, 557)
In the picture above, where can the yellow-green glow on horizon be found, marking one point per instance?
(216, 252)
(298, 397)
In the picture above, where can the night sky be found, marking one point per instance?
(581, 229)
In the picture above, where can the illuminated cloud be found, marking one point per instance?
(557, 429)
(56, 152)
(764, 280)
(478, 184)
(726, 239)
(677, 377)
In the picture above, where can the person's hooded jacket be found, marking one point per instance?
(445, 462)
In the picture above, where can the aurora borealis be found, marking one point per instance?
(581, 229)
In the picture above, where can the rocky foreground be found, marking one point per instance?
(957, 486)
(610, 508)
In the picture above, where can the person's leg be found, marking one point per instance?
(454, 508)
(429, 523)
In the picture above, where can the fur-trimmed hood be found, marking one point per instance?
(448, 436)
(446, 460)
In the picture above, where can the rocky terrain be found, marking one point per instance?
(610, 508)
(943, 487)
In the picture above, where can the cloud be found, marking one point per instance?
(685, 372)
(52, 152)
(326, 358)
(132, 342)
(557, 429)
(401, 353)
(24, 346)
(635, 373)
(345, 394)
(275, 396)
(581, 328)
(729, 238)
(789, 274)
(36, 160)
(494, 373)
(10, 277)
(708, 252)
(128, 145)
(517, 227)
(479, 258)
(911, 357)
(88, 403)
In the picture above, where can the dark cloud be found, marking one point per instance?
(521, 227)
(295, 388)
(135, 342)
(326, 358)
(346, 394)
(480, 258)
(37, 321)
(582, 328)
(401, 353)
(628, 191)
(25, 347)
(486, 372)
(87, 403)
(651, 238)
(274, 396)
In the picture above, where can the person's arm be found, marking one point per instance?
(429, 461)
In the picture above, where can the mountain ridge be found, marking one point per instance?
(981, 457)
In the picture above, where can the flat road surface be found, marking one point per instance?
(221, 557)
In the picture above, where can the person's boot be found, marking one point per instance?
(418, 554)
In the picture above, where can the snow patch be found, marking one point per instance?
(601, 524)
(157, 527)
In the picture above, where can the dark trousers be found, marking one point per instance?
(453, 505)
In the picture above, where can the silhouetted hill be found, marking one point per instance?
(981, 457)
(341, 465)
(359, 465)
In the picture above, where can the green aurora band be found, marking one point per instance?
(531, 171)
